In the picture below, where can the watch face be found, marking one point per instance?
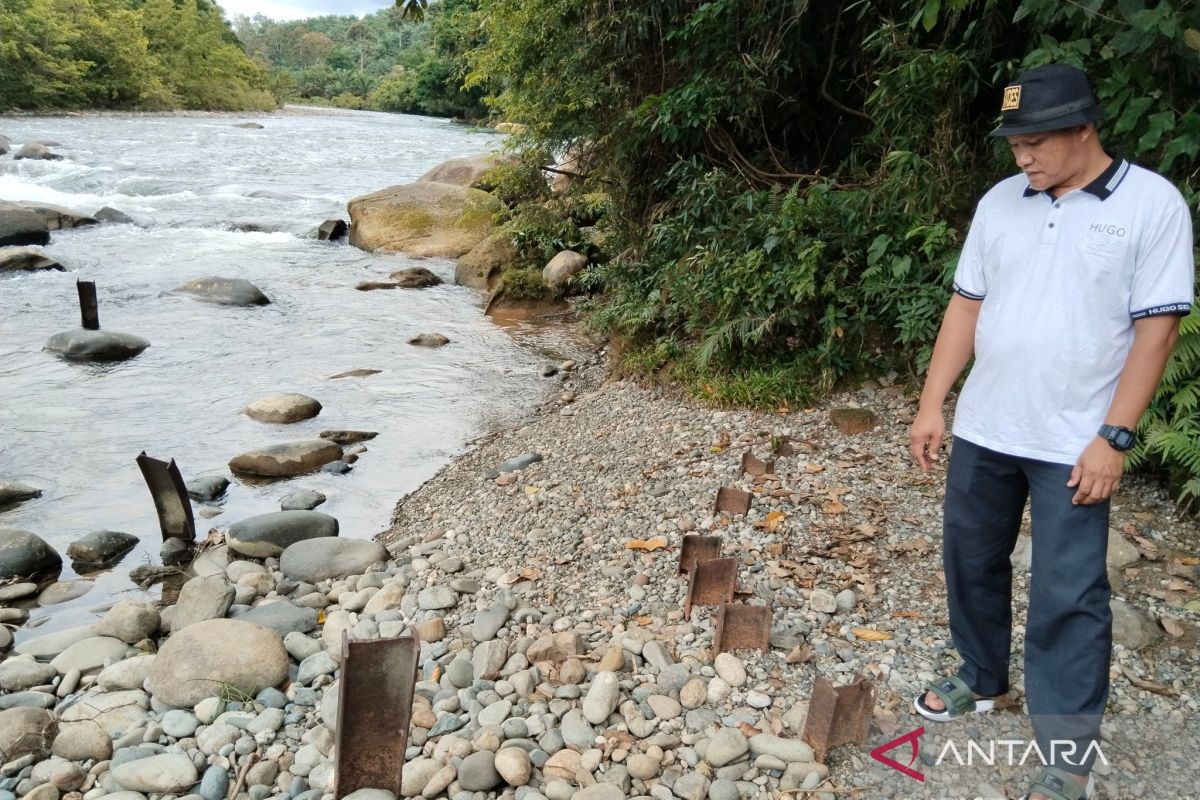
(1123, 440)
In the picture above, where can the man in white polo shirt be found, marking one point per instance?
(1068, 291)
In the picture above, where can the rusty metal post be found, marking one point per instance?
(838, 716)
(375, 698)
(89, 310)
(698, 548)
(755, 467)
(170, 498)
(711, 583)
(742, 627)
(732, 501)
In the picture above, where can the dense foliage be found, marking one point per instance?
(393, 60)
(148, 54)
(792, 180)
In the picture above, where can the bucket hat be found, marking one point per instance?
(1047, 98)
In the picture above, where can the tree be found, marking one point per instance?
(313, 47)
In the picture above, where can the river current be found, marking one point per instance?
(194, 183)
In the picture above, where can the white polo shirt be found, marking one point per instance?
(1062, 281)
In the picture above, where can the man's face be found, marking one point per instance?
(1051, 158)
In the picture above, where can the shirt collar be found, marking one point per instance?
(1105, 183)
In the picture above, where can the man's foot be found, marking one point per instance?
(949, 698)
(935, 703)
(1057, 784)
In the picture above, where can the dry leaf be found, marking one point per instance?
(871, 635)
(657, 543)
(1190, 561)
(748, 729)
(644, 620)
(813, 469)
(1180, 585)
(907, 614)
(1147, 548)
(1172, 627)
(835, 507)
(799, 655)
(886, 722)
(1180, 568)
(1149, 686)
(775, 519)
(532, 490)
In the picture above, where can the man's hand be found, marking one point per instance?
(1097, 473)
(925, 437)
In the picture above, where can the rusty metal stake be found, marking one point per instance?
(696, 549)
(742, 627)
(711, 583)
(732, 501)
(170, 498)
(375, 698)
(754, 466)
(838, 716)
(88, 308)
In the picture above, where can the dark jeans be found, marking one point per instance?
(1068, 634)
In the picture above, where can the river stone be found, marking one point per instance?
(287, 459)
(604, 791)
(100, 549)
(178, 723)
(281, 616)
(513, 465)
(225, 291)
(129, 621)
(17, 591)
(27, 699)
(19, 674)
(417, 775)
(200, 599)
(169, 772)
(113, 216)
(305, 500)
(564, 266)
(116, 713)
(200, 660)
(90, 655)
(215, 783)
(283, 408)
(64, 592)
(415, 278)
(19, 227)
(730, 669)
(24, 731)
(208, 489)
(489, 622)
(130, 673)
(488, 659)
(822, 601)
(14, 492)
(44, 648)
(513, 765)
(1121, 553)
(789, 750)
(602, 698)
(482, 267)
(26, 259)
(422, 219)
(429, 340)
(328, 710)
(465, 170)
(477, 772)
(576, 731)
(433, 598)
(270, 534)
(35, 151)
(1131, 627)
(370, 794)
(84, 345)
(332, 230)
(81, 741)
(58, 218)
(25, 555)
(726, 746)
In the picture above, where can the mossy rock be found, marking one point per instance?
(483, 266)
(422, 219)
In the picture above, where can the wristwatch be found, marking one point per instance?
(1120, 438)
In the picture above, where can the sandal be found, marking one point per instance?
(957, 697)
(1057, 784)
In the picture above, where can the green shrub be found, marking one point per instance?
(523, 283)
(537, 235)
(518, 183)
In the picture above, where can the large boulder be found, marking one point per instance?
(58, 218)
(25, 555)
(283, 408)
(270, 534)
(26, 259)
(90, 655)
(100, 549)
(116, 713)
(20, 226)
(85, 345)
(481, 268)
(465, 171)
(216, 656)
(14, 492)
(129, 621)
(25, 731)
(113, 216)
(315, 560)
(415, 278)
(422, 219)
(35, 151)
(287, 459)
(225, 291)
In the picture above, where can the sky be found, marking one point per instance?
(298, 9)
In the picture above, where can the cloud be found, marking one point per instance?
(299, 9)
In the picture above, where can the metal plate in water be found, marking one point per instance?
(696, 549)
(755, 466)
(89, 311)
(711, 583)
(170, 498)
(741, 627)
(375, 698)
(732, 501)
(838, 716)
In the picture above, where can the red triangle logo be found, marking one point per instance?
(913, 738)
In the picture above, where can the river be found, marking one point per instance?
(192, 183)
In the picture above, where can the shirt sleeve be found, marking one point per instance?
(1164, 273)
(969, 278)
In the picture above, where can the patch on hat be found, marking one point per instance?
(1012, 98)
